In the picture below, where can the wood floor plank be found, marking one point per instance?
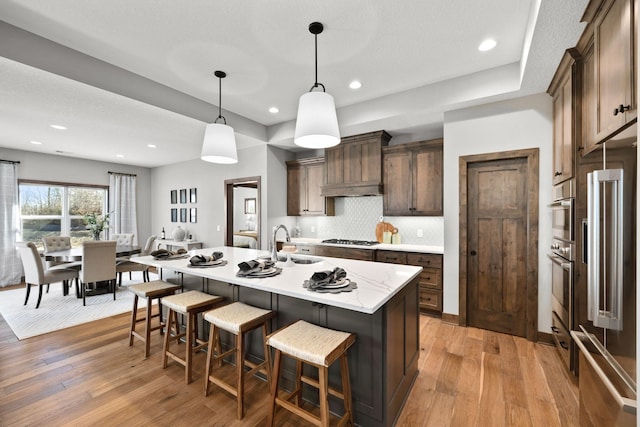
(88, 375)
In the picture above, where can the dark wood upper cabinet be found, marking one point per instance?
(609, 71)
(305, 177)
(354, 167)
(565, 91)
(413, 179)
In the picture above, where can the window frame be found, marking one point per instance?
(65, 218)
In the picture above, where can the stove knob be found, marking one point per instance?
(555, 247)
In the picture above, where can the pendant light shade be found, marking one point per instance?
(317, 122)
(219, 144)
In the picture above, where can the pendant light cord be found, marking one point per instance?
(220, 116)
(315, 34)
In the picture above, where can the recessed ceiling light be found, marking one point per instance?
(59, 127)
(355, 84)
(119, 155)
(152, 146)
(486, 45)
(274, 110)
(36, 142)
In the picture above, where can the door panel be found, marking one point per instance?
(497, 212)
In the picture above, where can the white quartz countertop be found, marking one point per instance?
(377, 282)
(384, 246)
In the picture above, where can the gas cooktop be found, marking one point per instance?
(351, 242)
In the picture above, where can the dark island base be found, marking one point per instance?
(383, 363)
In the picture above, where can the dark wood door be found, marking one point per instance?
(497, 245)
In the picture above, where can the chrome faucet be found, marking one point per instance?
(274, 248)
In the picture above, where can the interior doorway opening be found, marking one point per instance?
(242, 212)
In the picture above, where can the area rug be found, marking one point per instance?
(59, 312)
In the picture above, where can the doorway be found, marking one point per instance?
(499, 242)
(242, 212)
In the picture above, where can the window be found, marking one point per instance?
(58, 210)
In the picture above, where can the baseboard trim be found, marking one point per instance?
(451, 318)
(545, 338)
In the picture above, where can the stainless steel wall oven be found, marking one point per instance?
(562, 255)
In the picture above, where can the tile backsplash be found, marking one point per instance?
(356, 218)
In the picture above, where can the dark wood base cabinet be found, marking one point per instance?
(383, 362)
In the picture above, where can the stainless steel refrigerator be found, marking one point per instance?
(606, 314)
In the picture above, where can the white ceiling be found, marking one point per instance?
(122, 74)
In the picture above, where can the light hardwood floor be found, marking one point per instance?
(88, 375)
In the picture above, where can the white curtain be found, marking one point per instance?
(10, 264)
(122, 205)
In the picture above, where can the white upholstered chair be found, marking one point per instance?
(98, 265)
(124, 266)
(122, 239)
(36, 274)
(60, 243)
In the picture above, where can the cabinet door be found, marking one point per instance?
(427, 182)
(314, 180)
(391, 257)
(296, 193)
(563, 131)
(614, 62)
(589, 106)
(334, 165)
(397, 183)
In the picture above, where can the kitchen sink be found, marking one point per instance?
(299, 259)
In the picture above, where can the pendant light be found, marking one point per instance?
(219, 139)
(317, 123)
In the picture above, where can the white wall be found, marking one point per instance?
(509, 125)
(47, 167)
(209, 179)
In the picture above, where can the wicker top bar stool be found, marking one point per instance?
(190, 304)
(238, 319)
(157, 289)
(315, 346)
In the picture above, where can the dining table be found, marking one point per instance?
(75, 254)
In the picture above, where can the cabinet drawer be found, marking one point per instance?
(349, 253)
(306, 250)
(425, 260)
(430, 299)
(391, 257)
(431, 278)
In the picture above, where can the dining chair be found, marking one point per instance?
(60, 243)
(35, 272)
(122, 239)
(98, 265)
(123, 266)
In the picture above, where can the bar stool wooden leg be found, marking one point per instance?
(267, 356)
(324, 396)
(210, 358)
(273, 395)
(346, 389)
(134, 317)
(147, 330)
(297, 391)
(171, 318)
(240, 373)
(189, 352)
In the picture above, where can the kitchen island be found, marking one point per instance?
(382, 312)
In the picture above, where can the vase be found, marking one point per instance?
(178, 234)
(96, 236)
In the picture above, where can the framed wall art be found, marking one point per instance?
(174, 214)
(183, 214)
(193, 217)
(183, 195)
(174, 197)
(193, 195)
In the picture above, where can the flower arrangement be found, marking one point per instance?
(96, 223)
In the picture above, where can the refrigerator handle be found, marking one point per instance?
(605, 288)
(585, 243)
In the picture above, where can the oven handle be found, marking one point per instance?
(566, 265)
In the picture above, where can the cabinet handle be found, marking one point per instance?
(557, 173)
(473, 253)
(554, 329)
(621, 109)
(564, 345)
(428, 278)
